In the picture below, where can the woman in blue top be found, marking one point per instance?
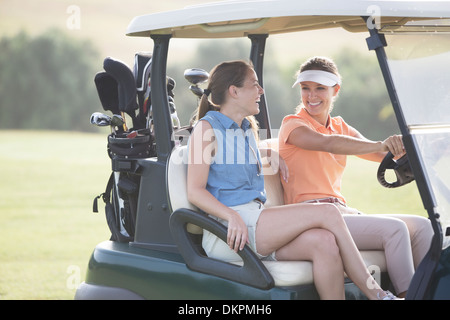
(225, 180)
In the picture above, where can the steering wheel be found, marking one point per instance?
(401, 168)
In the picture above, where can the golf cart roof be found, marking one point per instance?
(239, 18)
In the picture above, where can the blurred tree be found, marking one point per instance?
(46, 82)
(364, 101)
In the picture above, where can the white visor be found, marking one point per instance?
(323, 77)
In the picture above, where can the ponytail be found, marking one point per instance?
(204, 106)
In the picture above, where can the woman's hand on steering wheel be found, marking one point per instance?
(394, 144)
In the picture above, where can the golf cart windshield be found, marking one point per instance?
(418, 56)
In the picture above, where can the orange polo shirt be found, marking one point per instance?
(312, 174)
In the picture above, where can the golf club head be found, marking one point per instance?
(196, 90)
(142, 69)
(107, 89)
(170, 86)
(100, 119)
(126, 84)
(196, 76)
(172, 107)
(117, 120)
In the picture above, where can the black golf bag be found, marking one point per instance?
(127, 93)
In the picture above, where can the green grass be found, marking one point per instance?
(48, 182)
(363, 191)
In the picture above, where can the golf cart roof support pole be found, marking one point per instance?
(377, 42)
(257, 58)
(160, 104)
(423, 275)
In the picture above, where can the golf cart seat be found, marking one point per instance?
(187, 223)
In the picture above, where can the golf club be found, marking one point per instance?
(117, 120)
(100, 119)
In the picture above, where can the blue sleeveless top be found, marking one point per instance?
(235, 175)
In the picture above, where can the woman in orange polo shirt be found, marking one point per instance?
(315, 146)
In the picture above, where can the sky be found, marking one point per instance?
(104, 22)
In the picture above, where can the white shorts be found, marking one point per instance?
(218, 249)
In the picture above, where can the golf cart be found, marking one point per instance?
(155, 247)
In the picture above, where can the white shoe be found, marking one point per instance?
(388, 296)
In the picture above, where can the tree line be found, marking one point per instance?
(46, 82)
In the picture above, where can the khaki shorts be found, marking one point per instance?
(218, 249)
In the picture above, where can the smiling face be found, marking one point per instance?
(320, 82)
(250, 93)
(318, 99)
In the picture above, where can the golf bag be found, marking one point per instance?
(120, 199)
(126, 92)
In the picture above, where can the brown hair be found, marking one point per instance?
(320, 63)
(222, 76)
